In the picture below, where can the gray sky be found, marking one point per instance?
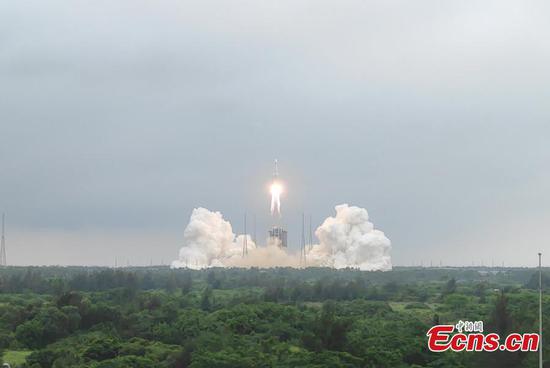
(119, 117)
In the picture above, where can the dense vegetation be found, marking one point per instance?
(157, 317)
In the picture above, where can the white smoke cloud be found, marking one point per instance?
(209, 241)
(347, 240)
(350, 240)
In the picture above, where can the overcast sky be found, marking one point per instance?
(117, 118)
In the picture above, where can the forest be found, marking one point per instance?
(53, 317)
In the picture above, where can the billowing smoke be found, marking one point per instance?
(350, 240)
(209, 241)
(347, 240)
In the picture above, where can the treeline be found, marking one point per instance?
(310, 284)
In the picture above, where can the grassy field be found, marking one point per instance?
(15, 357)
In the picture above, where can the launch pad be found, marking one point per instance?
(279, 236)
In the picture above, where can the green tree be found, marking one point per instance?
(206, 304)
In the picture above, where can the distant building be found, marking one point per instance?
(280, 234)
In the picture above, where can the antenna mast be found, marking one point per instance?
(540, 311)
(3, 259)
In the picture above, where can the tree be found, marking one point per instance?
(450, 287)
(330, 328)
(205, 299)
(102, 349)
(502, 324)
(47, 326)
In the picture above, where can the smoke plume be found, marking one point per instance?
(209, 241)
(350, 240)
(347, 240)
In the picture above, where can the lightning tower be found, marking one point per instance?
(254, 239)
(310, 246)
(245, 239)
(303, 244)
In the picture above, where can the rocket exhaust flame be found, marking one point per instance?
(276, 190)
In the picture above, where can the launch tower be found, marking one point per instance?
(279, 235)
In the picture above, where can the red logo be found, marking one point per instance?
(442, 338)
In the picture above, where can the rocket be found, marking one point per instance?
(276, 190)
(276, 171)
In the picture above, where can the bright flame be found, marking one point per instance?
(276, 190)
